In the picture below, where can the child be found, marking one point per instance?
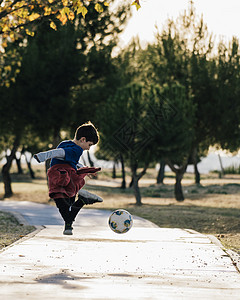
(66, 175)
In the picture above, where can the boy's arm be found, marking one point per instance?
(55, 153)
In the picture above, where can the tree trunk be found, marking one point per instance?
(221, 173)
(178, 187)
(197, 174)
(90, 160)
(137, 190)
(114, 170)
(91, 164)
(18, 163)
(135, 183)
(161, 172)
(179, 176)
(7, 180)
(195, 163)
(135, 179)
(135, 186)
(131, 183)
(6, 168)
(29, 166)
(123, 186)
(32, 174)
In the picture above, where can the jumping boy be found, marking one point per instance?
(66, 175)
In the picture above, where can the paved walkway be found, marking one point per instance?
(146, 263)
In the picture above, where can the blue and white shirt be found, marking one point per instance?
(73, 153)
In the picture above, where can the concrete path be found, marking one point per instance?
(146, 263)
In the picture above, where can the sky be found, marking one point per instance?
(221, 16)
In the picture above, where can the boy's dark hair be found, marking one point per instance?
(88, 131)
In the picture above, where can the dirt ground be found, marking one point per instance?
(11, 230)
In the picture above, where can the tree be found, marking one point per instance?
(227, 96)
(173, 112)
(124, 73)
(182, 53)
(41, 89)
(12, 124)
(97, 37)
(127, 133)
(111, 117)
(53, 63)
(161, 172)
(19, 17)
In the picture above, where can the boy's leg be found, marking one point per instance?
(75, 208)
(65, 208)
(69, 209)
(55, 153)
(84, 198)
(63, 205)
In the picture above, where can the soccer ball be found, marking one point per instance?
(120, 221)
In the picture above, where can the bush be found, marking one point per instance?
(232, 170)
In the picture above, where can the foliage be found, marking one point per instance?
(19, 18)
(126, 132)
(18, 15)
(59, 71)
(54, 62)
(173, 115)
(98, 77)
(227, 96)
(42, 87)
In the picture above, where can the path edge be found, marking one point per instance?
(22, 221)
(234, 256)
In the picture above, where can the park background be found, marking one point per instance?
(167, 108)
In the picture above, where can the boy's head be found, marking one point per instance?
(88, 131)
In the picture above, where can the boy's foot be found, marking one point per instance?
(68, 229)
(88, 198)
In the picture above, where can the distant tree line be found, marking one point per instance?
(165, 103)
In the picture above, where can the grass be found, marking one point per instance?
(232, 170)
(11, 230)
(210, 208)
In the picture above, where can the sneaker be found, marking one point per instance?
(88, 198)
(68, 229)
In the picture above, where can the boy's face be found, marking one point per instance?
(84, 144)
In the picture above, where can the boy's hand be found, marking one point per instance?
(88, 171)
(91, 175)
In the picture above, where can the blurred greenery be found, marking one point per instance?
(232, 169)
